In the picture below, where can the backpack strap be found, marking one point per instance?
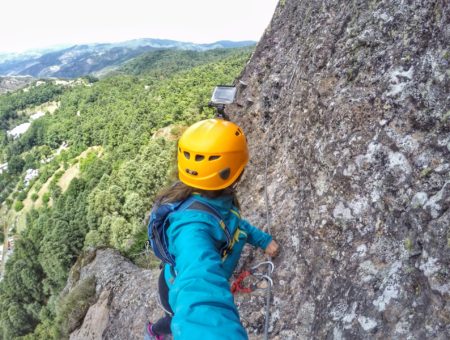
(193, 203)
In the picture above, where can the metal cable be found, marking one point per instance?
(269, 288)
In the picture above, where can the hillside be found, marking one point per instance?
(163, 62)
(84, 174)
(79, 60)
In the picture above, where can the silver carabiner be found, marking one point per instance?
(269, 263)
(269, 279)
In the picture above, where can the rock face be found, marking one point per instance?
(8, 84)
(125, 297)
(348, 102)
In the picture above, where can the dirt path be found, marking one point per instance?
(68, 176)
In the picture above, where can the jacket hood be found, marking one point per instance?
(222, 204)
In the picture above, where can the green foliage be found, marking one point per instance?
(86, 162)
(46, 197)
(21, 295)
(90, 78)
(9, 203)
(74, 306)
(7, 185)
(162, 63)
(22, 196)
(11, 103)
(16, 165)
(20, 185)
(18, 206)
(109, 200)
(34, 197)
(37, 186)
(137, 255)
(408, 243)
(31, 161)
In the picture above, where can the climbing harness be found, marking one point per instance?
(238, 284)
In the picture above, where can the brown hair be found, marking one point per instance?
(179, 191)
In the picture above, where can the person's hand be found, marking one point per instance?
(272, 249)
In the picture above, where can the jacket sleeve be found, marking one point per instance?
(200, 295)
(256, 237)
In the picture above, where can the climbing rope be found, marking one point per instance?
(268, 223)
(237, 284)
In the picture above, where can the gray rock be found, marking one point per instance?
(356, 136)
(126, 297)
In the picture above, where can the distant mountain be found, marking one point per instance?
(80, 60)
(29, 54)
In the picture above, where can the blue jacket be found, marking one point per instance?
(200, 294)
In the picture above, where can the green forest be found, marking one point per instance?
(110, 128)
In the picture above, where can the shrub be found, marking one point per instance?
(73, 307)
(87, 161)
(18, 206)
(58, 175)
(38, 186)
(22, 196)
(46, 197)
(9, 202)
(34, 197)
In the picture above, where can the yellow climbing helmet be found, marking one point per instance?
(212, 154)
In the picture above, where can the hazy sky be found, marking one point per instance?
(26, 24)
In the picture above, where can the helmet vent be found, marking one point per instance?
(192, 172)
(237, 133)
(199, 158)
(187, 155)
(213, 158)
(225, 173)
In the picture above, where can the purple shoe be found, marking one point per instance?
(149, 334)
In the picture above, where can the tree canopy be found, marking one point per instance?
(106, 204)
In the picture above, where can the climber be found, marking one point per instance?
(195, 292)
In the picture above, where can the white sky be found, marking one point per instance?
(26, 24)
